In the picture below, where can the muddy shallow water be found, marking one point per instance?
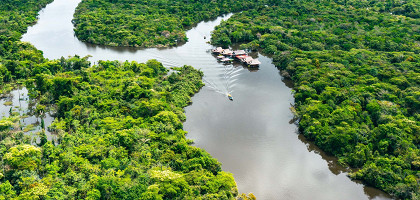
(18, 103)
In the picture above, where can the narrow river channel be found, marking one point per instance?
(251, 136)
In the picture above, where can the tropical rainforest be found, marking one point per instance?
(152, 23)
(356, 72)
(119, 126)
(17, 59)
(121, 137)
(355, 67)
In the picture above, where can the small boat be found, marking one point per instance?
(230, 97)
(220, 57)
(226, 60)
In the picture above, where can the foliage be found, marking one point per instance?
(356, 72)
(321, 25)
(149, 23)
(119, 126)
(18, 59)
(121, 138)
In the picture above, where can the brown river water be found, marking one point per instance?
(252, 136)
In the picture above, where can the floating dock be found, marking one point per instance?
(227, 56)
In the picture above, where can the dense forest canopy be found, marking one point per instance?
(17, 59)
(149, 23)
(121, 137)
(356, 69)
(355, 64)
(119, 126)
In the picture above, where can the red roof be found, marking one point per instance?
(241, 56)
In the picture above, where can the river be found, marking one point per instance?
(252, 136)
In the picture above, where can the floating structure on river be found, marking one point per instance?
(227, 56)
(217, 50)
(226, 60)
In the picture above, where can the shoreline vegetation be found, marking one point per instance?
(120, 136)
(355, 68)
(153, 23)
(119, 126)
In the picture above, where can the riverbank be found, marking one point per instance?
(151, 23)
(354, 86)
(247, 135)
(120, 131)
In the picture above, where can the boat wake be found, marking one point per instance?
(225, 81)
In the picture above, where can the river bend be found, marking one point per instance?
(251, 136)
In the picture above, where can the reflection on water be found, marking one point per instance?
(251, 135)
(254, 140)
(18, 103)
(332, 161)
(337, 169)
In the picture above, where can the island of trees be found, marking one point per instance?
(356, 72)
